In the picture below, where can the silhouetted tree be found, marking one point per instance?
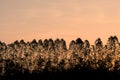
(45, 44)
(111, 43)
(16, 44)
(72, 45)
(56, 43)
(22, 41)
(86, 47)
(3, 46)
(79, 43)
(33, 44)
(86, 44)
(40, 42)
(51, 44)
(98, 43)
(60, 45)
(63, 42)
(0, 43)
(40, 45)
(117, 45)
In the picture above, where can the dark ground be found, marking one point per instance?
(65, 75)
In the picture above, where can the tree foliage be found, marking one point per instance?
(53, 55)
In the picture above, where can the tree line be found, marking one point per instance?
(54, 56)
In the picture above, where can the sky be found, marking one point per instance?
(68, 19)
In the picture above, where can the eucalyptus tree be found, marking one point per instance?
(79, 43)
(3, 46)
(40, 42)
(16, 45)
(86, 44)
(51, 45)
(111, 42)
(98, 44)
(33, 45)
(72, 45)
(45, 44)
(56, 44)
(63, 45)
(117, 44)
(86, 47)
(40, 45)
(22, 44)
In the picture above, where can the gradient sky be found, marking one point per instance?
(68, 19)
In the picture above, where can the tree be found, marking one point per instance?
(3, 46)
(98, 44)
(86, 44)
(45, 44)
(22, 41)
(56, 43)
(86, 47)
(117, 45)
(40, 42)
(51, 44)
(111, 42)
(40, 45)
(33, 44)
(79, 43)
(63, 42)
(60, 45)
(16, 44)
(0, 43)
(72, 45)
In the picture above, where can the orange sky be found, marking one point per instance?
(68, 19)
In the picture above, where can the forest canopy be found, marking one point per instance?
(54, 56)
